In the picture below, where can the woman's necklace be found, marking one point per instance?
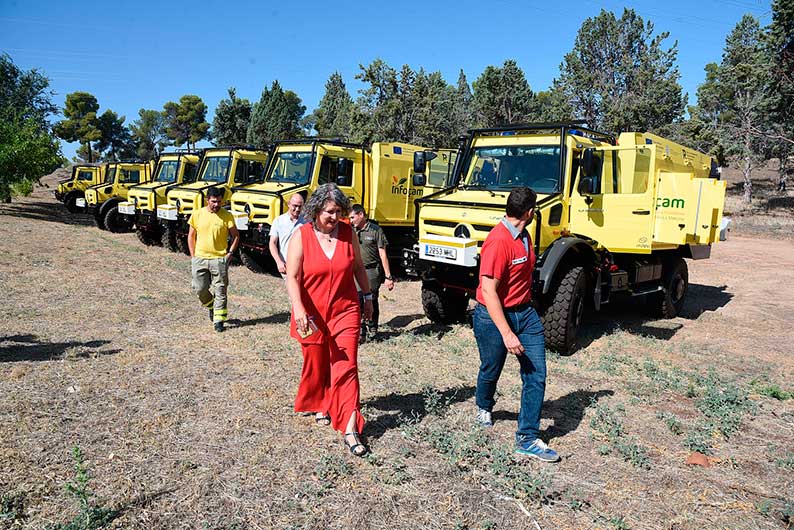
(327, 237)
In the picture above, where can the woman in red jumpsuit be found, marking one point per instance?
(322, 260)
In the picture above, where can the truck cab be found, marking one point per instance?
(379, 178)
(83, 176)
(614, 217)
(221, 167)
(102, 200)
(173, 169)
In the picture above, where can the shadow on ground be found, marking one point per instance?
(276, 318)
(409, 406)
(567, 412)
(29, 348)
(40, 210)
(635, 315)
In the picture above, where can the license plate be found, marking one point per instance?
(80, 203)
(441, 252)
(166, 214)
(128, 209)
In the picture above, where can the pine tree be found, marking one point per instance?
(149, 134)
(619, 77)
(232, 119)
(116, 137)
(461, 109)
(332, 117)
(185, 121)
(277, 115)
(780, 89)
(502, 96)
(81, 123)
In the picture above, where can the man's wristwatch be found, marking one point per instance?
(390, 278)
(366, 296)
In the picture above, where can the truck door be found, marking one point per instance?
(620, 214)
(344, 170)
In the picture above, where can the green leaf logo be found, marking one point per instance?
(402, 181)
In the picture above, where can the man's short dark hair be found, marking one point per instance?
(214, 191)
(520, 201)
(357, 208)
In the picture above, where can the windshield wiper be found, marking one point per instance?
(478, 187)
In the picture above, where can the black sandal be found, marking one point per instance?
(322, 420)
(357, 448)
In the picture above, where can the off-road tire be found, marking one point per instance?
(563, 316)
(251, 262)
(168, 239)
(181, 244)
(443, 306)
(147, 238)
(115, 222)
(675, 282)
(71, 203)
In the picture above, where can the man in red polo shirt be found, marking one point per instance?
(505, 322)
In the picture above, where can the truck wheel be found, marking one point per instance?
(675, 281)
(251, 262)
(168, 239)
(115, 222)
(71, 203)
(562, 317)
(181, 244)
(147, 238)
(443, 306)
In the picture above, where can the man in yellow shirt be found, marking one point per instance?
(210, 253)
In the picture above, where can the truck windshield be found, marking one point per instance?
(110, 175)
(535, 166)
(291, 167)
(216, 169)
(166, 171)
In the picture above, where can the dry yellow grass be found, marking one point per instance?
(104, 347)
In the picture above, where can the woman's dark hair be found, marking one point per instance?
(520, 201)
(214, 191)
(323, 194)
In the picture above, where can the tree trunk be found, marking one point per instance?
(782, 174)
(90, 154)
(748, 183)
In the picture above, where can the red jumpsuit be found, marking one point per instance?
(329, 380)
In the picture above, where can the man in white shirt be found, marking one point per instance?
(284, 226)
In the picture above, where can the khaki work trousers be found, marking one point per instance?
(210, 280)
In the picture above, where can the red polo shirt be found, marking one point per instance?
(504, 257)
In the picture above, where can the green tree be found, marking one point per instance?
(434, 102)
(619, 77)
(780, 89)
(741, 79)
(81, 123)
(277, 115)
(502, 96)
(185, 122)
(462, 115)
(376, 116)
(27, 147)
(116, 137)
(232, 119)
(332, 116)
(148, 132)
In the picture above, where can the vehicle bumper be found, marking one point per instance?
(257, 236)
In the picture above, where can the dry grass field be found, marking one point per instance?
(104, 348)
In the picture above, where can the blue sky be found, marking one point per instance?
(134, 55)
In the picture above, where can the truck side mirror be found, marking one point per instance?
(588, 186)
(344, 172)
(591, 164)
(421, 158)
(419, 179)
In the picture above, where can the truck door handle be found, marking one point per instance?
(641, 212)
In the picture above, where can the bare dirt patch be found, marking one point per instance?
(104, 347)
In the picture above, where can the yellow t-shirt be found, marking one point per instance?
(212, 232)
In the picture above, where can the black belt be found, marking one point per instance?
(372, 266)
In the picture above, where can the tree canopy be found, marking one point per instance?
(81, 123)
(185, 121)
(277, 115)
(231, 121)
(148, 131)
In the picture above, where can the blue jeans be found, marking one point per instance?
(526, 324)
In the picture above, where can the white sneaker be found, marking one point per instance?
(484, 418)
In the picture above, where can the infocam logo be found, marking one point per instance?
(398, 187)
(665, 202)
